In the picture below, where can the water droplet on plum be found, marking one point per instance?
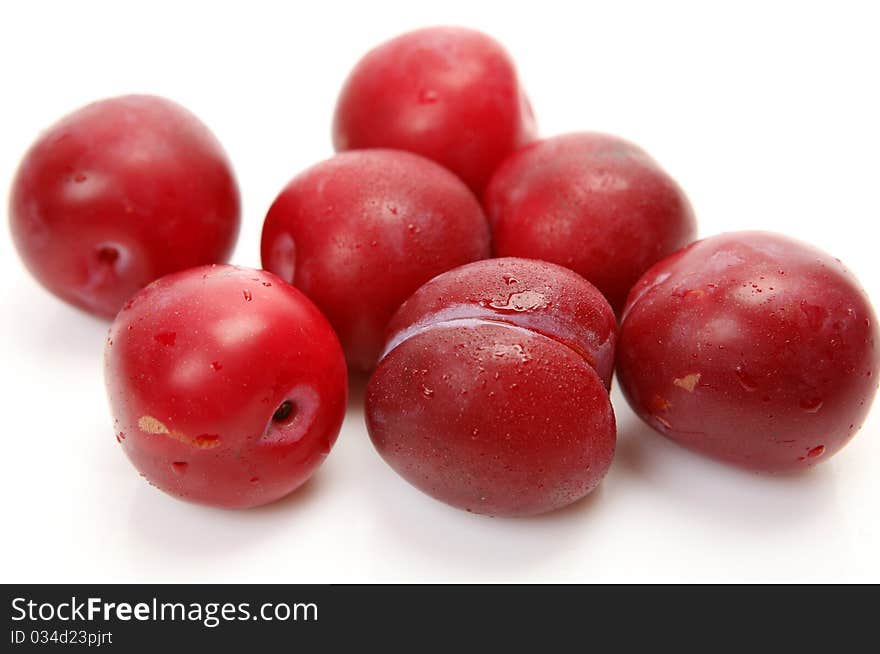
(811, 405)
(819, 450)
(166, 338)
(746, 380)
(427, 96)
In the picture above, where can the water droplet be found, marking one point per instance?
(179, 467)
(255, 480)
(811, 405)
(216, 365)
(689, 293)
(166, 338)
(518, 302)
(509, 279)
(121, 436)
(746, 380)
(427, 96)
(427, 392)
(79, 178)
(247, 295)
(267, 284)
(819, 450)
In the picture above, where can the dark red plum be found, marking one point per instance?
(448, 93)
(227, 385)
(492, 394)
(752, 348)
(591, 202)
(119, 193)
(360, 232)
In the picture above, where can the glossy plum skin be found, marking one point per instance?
(359, 232)
(591, 202)
(752, 348)
(448, 93)
(227, 386)
(487, 398)
(535, 295)
(119, 193)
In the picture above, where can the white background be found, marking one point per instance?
(767, 113)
